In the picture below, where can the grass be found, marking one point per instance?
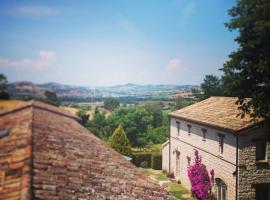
(175, 189)
(161, 176)
(152, 148)
(10, 104)
(178, 191)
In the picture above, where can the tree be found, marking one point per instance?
(120, 142)
(83, 115)
(154, 109)
(98, 125)
(211, 86)
(111, 103)
(134, 120)
(247, 72)
(3, 87)
(200, 181)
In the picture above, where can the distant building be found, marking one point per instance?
(236, 148)
(46, 154)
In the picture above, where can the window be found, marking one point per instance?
(178, 127)
(189, 129)
(220, 189)
(260, 150)
(221, 143)
(204, 133)
(262, 192)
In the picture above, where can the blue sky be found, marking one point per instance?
(106, 42)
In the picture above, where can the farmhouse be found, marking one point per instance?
(46, 154)
(236, 148)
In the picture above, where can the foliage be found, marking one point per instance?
(138, 121)
(134, 120)
(247, 72)
(120, 142)
(211, 86)
(51, 98)
(83, 115)
(98, 125)
(111, 103)
(158, 135)
(144, 164)
(154, 108)
(3, 87)
(138, 158)
(181, 102)
(199, 179)
(156, 161)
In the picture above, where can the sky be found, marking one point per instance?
(108, 42)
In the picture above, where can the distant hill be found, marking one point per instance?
(64, 91)
(25, 90)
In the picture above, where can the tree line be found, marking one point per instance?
(144, 124)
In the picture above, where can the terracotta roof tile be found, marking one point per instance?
(221, 112)
(49, 155)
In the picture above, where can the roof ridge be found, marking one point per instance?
(42, 106)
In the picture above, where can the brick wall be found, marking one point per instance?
(250, 172)
(15, 155)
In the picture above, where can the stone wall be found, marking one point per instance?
(250, 172)
(15, 155)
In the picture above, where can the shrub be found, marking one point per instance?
(144, 164)
(120, 142)
(156, 161)
(138, 158)
(199, 179)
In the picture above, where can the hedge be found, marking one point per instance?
(138, 158)
(156, 161)
(147, 160)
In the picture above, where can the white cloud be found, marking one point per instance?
(45, 58)
(47, 55)
(175, 65)
(32, 10)
(187, 12)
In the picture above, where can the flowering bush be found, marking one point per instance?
(200, 181)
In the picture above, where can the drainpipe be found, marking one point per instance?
(236, 185)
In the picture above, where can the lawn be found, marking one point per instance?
(152, 148)
(179, 191)
(175, 189)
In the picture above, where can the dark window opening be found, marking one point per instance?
(221, 143)
(178, 127)
(261, 150)
(262, 193)
(204, 133)
(189, 128)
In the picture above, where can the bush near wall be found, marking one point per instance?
(138, 158)
(153, 160)
(156, 161)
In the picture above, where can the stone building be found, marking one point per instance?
(236, 148)
(46, 154)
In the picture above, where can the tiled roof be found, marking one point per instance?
(49, 155)
(220, 112)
